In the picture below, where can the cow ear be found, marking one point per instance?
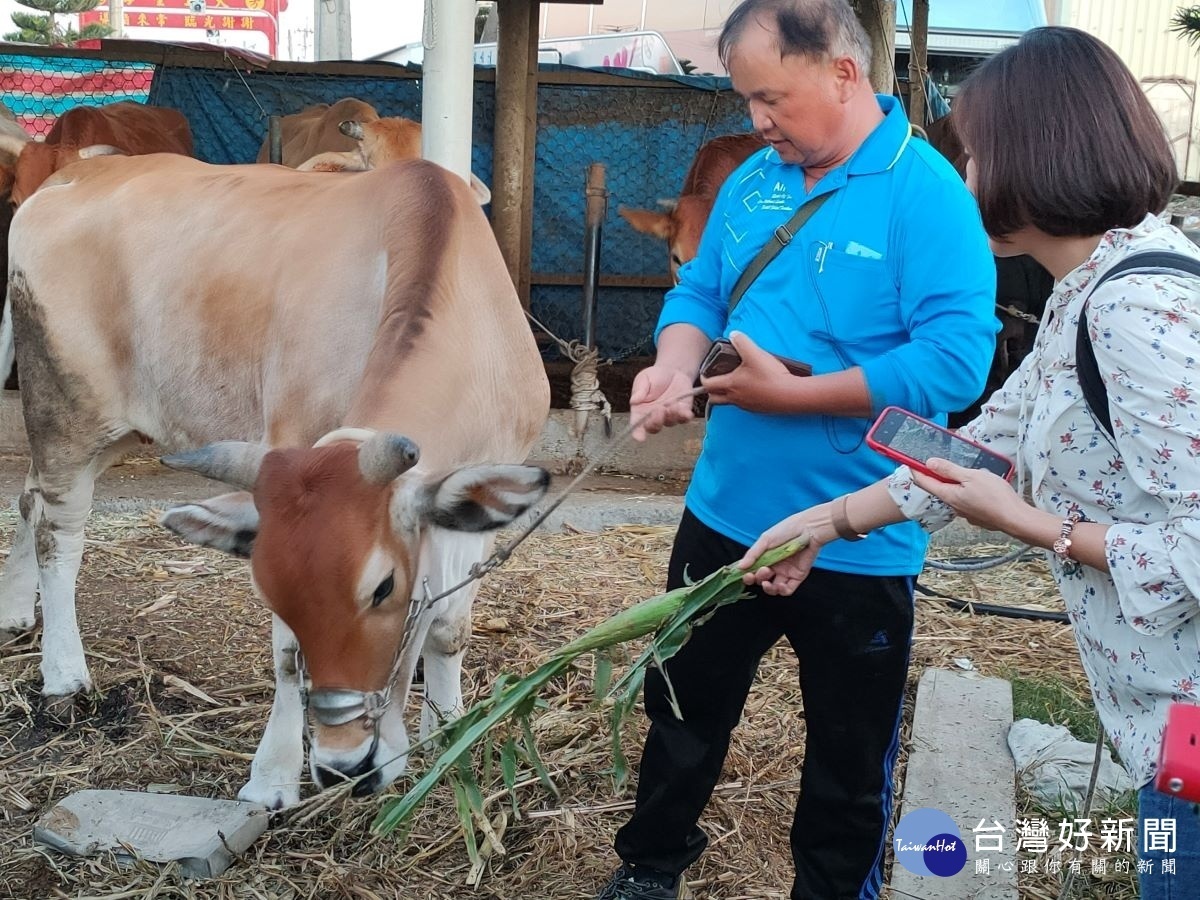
(228, 523)
(482, 498)
(648, 222)
(481, 191)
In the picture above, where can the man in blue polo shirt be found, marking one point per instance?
(887, 292)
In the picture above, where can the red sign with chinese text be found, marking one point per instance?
(221, 15)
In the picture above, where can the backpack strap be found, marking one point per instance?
(781, 237)
(1086, 367)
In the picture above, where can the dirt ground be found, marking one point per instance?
(180, 655)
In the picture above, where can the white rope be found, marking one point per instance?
(586, 395)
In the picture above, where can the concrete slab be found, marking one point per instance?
(202, 835)
(960, 764)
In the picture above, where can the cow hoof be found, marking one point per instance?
(60, 708)
(15, 629)
(12, 635)
(272, 796)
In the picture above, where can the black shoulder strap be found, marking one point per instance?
(1086, 368)
(780, 239)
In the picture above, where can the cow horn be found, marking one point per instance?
(352, 129)
(235, 463)
(94, 150)
(385, 456)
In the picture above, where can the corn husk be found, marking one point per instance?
(670, 617)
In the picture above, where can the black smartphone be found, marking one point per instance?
(722, 359)
(912, 440)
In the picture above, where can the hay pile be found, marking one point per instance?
(181, 656)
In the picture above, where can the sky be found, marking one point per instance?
(375, 26)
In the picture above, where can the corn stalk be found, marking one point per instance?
(670, 617)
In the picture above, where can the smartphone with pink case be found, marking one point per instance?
(1179, 760)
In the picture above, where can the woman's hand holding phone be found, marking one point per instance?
(982, 498)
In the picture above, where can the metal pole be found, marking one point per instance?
(275, 140)
(447, 88)
(332, 24)
(596, 200)
(918, 62)
(116, 18)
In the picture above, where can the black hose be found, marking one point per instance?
(991, 609)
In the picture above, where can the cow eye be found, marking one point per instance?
(384, 590)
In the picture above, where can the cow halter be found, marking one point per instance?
(332, 707)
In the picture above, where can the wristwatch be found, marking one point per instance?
(1062, 546)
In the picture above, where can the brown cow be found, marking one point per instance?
(84, 131)
(379, 142)
(682, 226)
(315, 130)
(402, 336)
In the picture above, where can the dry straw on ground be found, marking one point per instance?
(181, 656)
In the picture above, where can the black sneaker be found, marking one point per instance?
(641, 883)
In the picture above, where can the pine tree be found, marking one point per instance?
(1187, 23)
(46, 29)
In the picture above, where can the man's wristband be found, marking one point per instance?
(841, 524)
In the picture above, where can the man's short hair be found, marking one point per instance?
(1063, 138)
(812, 28)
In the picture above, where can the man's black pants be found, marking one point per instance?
(852, 635)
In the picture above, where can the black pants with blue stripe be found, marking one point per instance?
(852, 635)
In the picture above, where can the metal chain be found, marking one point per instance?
(1019, 314)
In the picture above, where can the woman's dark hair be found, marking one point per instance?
(1063, 138)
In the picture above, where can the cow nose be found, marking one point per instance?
(325, 777)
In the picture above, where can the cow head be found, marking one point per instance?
(396, 138)
(335, 536)
(680, 226)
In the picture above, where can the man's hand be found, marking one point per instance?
(652, 386)
(759, 384)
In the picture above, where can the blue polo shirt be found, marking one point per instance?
(892, 274)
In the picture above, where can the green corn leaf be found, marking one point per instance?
(490, 712)
(508, 768)
(671, 615)
(620, 763)
(603, 677)
(534, 759)
(471, 785)
(466, 819)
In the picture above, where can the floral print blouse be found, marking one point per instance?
(1137, 627)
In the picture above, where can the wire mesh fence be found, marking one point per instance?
(37, 89)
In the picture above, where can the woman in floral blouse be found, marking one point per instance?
(1070, 164)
